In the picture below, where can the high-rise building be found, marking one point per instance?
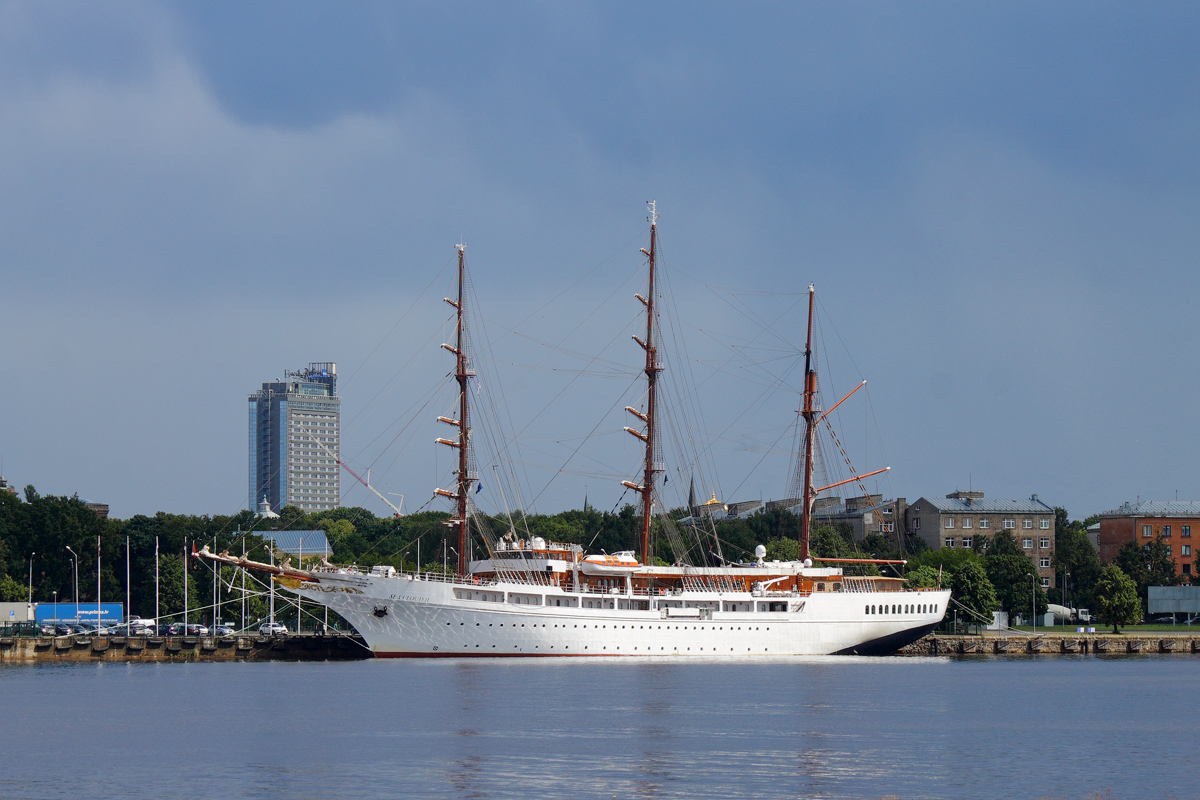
(295, 440)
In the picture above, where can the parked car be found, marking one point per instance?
(194, 629)
(273, 629)
(223, 630)
(48, 630)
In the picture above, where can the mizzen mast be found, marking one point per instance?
(462, 374)
(650, 436)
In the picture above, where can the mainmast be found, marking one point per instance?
(809, 412)
(462, 374)
(650, 437)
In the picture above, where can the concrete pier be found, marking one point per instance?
(1055, 644)
(296, 647)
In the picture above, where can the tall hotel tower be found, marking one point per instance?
(295, 440)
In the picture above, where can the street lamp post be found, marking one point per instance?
(1033, 600)
(72, 552)
(30, 602)
(1066, 575)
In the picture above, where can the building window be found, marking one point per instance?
(1027, 523)
(1169, 551)
(1045, 583)
(1009, 524)
(966, 541)
(1045, 524)
(916, 523)
(1044, 563)
(949, 523)
(1027, 543)
(1147, 531)
(949, 542)
(1044, 544)
(966, 522)
(983, 522)
(1187, 569)
(1185, 531)
(1166, 531)
(1185, 550)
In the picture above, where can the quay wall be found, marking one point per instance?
(53, 649)
(1054, 644)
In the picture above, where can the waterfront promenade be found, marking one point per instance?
(293, 647)
(343, 647)
(1128, 643)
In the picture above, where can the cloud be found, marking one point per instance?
(1000, 230)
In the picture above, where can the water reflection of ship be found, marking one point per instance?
(532, 597)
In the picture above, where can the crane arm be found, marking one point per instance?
(357, 477)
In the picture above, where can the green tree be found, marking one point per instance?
(1117, 601)
(1002, 543)
(945, 559)
(1147, 565)
(972, 589)
(1016, 583)
(12, 591)
(922, 577)
(171, 586)
(783, 550)
(1077, 563)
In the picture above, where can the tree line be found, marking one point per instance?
(994, 574)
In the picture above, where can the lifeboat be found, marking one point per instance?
(622, 563)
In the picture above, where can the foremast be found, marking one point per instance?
(462, 374)
(650, 417)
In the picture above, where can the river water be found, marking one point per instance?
(806, 728)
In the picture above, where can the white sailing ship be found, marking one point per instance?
(529, 597)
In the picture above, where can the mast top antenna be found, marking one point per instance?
(461, 246)
(652, 205)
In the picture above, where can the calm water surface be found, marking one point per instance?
(808, 728)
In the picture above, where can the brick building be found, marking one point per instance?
(865, 514)
(963, 517)
(1173, 520)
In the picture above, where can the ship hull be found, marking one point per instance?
(408, 617)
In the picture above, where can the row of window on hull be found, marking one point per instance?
(918, 608)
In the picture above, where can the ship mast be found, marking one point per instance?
(809, 412)
(649, 437)
(462, 374)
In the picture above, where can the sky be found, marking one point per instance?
(997, 203)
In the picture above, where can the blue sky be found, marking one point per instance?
(997, 203)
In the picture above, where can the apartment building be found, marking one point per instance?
(961, 518)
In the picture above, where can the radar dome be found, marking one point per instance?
(760, 552)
